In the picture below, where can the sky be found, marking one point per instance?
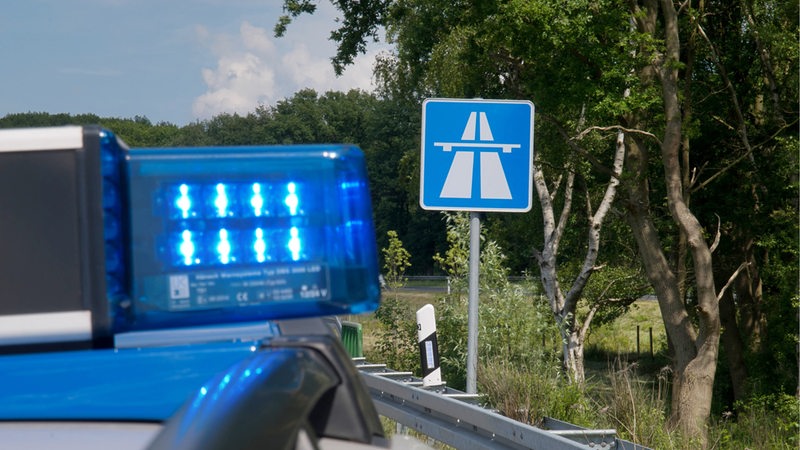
(175, 61)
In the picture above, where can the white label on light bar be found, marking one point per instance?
(33, 139)
(44, 328)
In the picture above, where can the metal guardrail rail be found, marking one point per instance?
(457, 419)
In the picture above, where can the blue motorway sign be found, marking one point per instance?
(477, 155)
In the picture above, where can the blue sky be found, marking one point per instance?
(169, 60)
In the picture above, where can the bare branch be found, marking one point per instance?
(724, 123)
(721, 171)
(731, 280)
(556, 186)
(617, 128)
(587, 321)
(565, 210)
(742, 130)
(596, 164)
(596, 224)
(716, 238)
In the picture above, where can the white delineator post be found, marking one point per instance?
(428, 347)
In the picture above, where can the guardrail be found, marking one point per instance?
(457, 419)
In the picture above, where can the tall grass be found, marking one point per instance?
(529, 394)
(763, 422)
(637, 407)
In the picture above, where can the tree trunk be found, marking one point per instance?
(564, 307)
(694, 383)
(734, 347)
(696, 350)
(575, 349)
(695, 354)
(749, 291)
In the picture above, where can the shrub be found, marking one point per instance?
(531, 393)
(397, 335)
(763, 422)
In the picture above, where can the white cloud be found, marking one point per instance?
(256, 39)
(254, 68)
(239, 83)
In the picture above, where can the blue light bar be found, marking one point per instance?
(234, 234)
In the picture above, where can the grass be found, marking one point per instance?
(605, 343)
(620, 336)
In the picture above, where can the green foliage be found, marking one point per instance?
(532, 392)
(395, 261)
(768, 422)
(455, 262)
(451, 335)
(398, 326)
(618, 337)
(513, 322)
(614, 289)
(513, 319)
(397, 335)
(293, 8)
(360, 21)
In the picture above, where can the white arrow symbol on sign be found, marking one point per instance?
(493, 183)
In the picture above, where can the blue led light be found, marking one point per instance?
(114, 204)
(295, 245)
(260, 246)
(291, 200)
(184, 202)
(223, 247)
(187, 248)
(221, 201)
(257, 200)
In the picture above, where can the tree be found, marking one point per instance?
(687, 58)
(748, 153)
(395, 261)
(398, 328)
(564, 305)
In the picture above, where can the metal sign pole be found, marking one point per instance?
(472, 318)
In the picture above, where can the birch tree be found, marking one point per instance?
(564, 304)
